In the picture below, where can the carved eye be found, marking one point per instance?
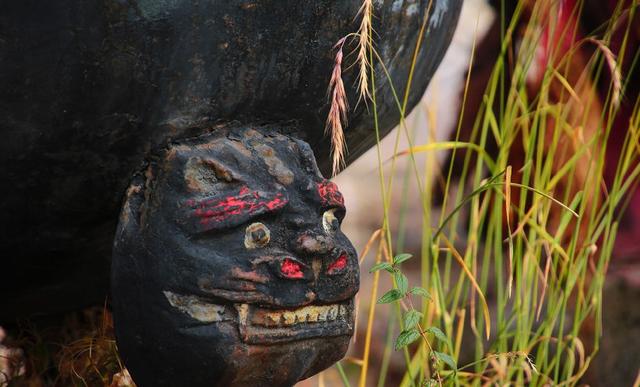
(256, 235)
(330, 221)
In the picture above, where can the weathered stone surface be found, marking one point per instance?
(91, 87)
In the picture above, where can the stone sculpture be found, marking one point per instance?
(230, 266)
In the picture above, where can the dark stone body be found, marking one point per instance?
(90, 87)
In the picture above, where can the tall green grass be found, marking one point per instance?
(516, 264)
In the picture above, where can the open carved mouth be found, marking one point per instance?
(258, 325)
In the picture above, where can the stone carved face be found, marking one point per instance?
(229, 265)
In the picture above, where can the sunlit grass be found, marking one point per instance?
(532, 225)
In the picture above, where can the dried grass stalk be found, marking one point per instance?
(364, 42)
(337, 117)
(616, 76)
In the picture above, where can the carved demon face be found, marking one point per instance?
(229, 265)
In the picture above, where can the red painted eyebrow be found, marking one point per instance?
(231, 211)
(329, 194)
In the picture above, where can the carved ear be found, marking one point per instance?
(131, 214)
(308, 159)
(127, 267)
(128, 241)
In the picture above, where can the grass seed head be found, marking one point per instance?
(339, 106)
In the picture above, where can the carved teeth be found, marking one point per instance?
(306, 314)
(289, 318)
(273, 319)
(301, 317)
(243, 312)
(202, 310)
(333, 312)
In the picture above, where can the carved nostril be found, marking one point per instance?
(314, 244)
(338, 265)
(291, 269)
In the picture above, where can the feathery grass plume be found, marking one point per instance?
(364, 42)
(337, 117)
(338, 111)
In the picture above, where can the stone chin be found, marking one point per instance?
(234, 344)
(229, 265)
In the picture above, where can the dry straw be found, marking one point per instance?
(339, 104)
(338, 111)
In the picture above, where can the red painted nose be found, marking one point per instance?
(291, 269)
(337, 265)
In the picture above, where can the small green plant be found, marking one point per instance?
(411, 325)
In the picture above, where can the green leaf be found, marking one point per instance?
(401, 258)
(412, 318)
(401, 282)
(407, 337)
(437, 333)
(448, 360)
(390, 296)
(422, 292)
(382, 266)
